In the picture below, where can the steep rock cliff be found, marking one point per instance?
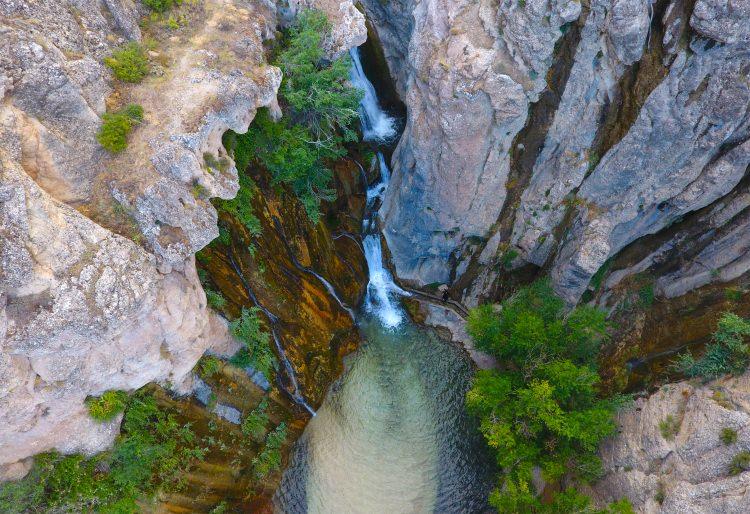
(550, 136)
(98, 288)
(669, 457)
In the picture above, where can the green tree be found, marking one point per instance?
(153, 449)
(320, 113)
(113, 134)
(129, 63)
(543, 410)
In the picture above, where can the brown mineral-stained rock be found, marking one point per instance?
(315, 330)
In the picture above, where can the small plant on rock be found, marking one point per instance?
(215, 299)
(257, 352)
(209, 366)
(113, 134)
(254, 425)
(727, 354)
(728, 436)
(669, 427)
(107, 406)
(740, 463)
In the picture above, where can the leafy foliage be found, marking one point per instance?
(254, 425)
(208, 366)
(728, 436)
(269, 459)
(669, 427)
(240, 207)
(257, 352)
(113, 134)
(544, 410)
(727, 354)
(151, 451)
(740, 463)
(320, 110)
(107, 406)
(129, 63)
(161, 5)
(215, 299)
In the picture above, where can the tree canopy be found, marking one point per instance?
(543, 410)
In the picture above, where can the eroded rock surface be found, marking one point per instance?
(668, 456)
(649, 125)
(469, 73)
(98, 288)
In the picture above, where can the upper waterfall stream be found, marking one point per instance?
(391, 435)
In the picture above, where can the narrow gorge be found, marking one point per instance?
(404, 256)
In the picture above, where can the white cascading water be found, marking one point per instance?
(382, 292)
(376, 124)
(392, 434)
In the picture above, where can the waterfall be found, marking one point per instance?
(376, 124)
(382, 292)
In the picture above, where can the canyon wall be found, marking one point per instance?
(98, 285)
(551, 135)
(604, 144)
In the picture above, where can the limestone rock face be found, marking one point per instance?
(98, 288)
(686, 149)
(554, 135)
(471, 70)
(689, 470)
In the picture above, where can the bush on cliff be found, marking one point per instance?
(161, 5)
(151, 451)
(257, 352)
(129, 63)
(113, 134)
(543, 410)
(727, 354)
(107, 406)
(320, 110)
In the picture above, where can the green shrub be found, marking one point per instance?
(269, 459)
(107, 406)
(241, 207)
(161, 5)
(254, 425)
(113, 134)
(129, 63)
(257, 351)
(320, 113)
(728, 436)
(740, 463)
(508, 258)
(669, 427)
(209, 365)
(733, 294)
(646, 296)
(215, 299)
(543, 410)
(150, 453)
(727, 354)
